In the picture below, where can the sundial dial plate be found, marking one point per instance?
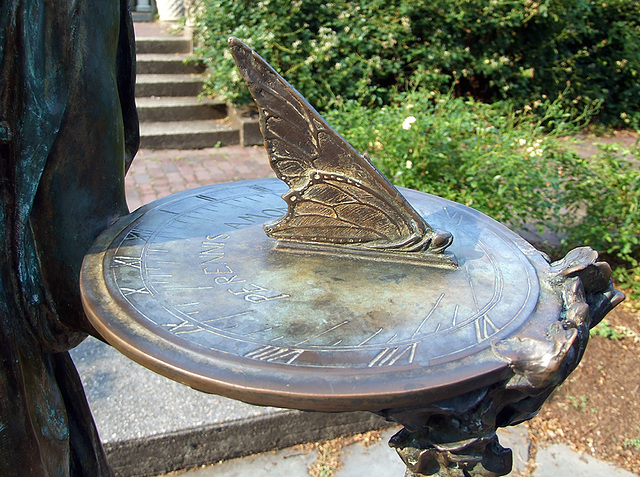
(192, 288)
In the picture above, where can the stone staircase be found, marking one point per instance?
(170, 112)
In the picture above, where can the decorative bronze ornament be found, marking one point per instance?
(338, 201)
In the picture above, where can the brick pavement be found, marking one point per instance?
(158, 173)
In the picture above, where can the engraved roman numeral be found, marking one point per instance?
(485, 328)
(453, 216)
(137, 234)
(135, 291)
(390, 356)
(133, 262)
(184, 328)
(275, 353)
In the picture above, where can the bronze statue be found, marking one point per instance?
(68, 131)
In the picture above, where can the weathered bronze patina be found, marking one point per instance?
(338, 201)
(192, 288)
(68, 129)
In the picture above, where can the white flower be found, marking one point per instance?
(409, 165)
(523, 142)
(406, 124)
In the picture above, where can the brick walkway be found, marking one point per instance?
(158, 173)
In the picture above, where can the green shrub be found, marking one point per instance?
(606, 212)
(522, 50)
(505, 164)
(484, 156)
(329, 51)
(362, 50)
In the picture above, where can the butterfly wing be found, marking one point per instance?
(331, 208)
(336, 195)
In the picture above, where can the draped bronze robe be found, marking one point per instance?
(68, 131)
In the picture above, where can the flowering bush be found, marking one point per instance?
(503, 163)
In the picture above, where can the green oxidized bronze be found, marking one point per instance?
(68, 130)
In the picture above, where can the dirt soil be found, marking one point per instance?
(597, 410)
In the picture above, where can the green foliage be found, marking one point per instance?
(634, 442)
(605, 330)
(507, 165)
(484, 156)
(605, 213)
(361, 50)
(328, 50)
(522, 50)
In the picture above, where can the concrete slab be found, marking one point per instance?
(517, 439)
(150, 424)
(280, 463)
(194, 134)
(376, 459)
(130, 402)
(169, 85)
(559, 460)
(151, 30)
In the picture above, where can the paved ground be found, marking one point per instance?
(156, 174)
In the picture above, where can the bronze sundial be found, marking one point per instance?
(357, 297)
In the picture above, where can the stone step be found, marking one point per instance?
(179, 108)
(142, 16)
(163, 45)
(150, 424)
(174, 63)
(188, 134)
(246, 119)
(168, 85)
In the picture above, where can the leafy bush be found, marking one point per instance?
(606, 212)
(484, 156)
(522, 50)
(506, 165)
(328, 50)
(361, 50)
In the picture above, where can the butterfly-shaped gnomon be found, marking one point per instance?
(338, 201)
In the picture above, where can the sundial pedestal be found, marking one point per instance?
(191, 288)
(357, 298)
